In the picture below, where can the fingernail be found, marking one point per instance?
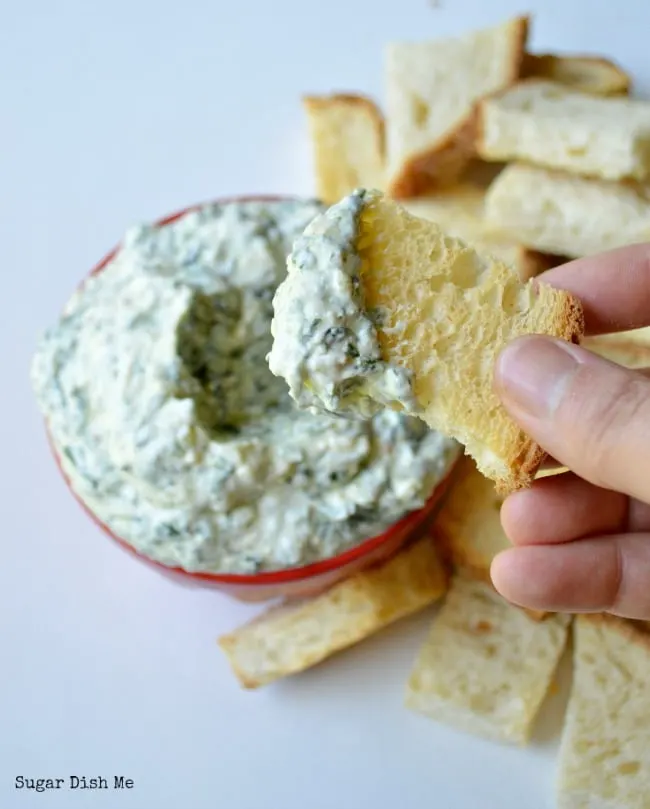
(532, 374)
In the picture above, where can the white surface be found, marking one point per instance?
(122, 111)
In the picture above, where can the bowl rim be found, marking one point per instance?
(268, 577)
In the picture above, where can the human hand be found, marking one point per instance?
(582, 539)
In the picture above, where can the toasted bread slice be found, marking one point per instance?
(447, 313)
(295, 636)
(459, 211)
(347, 134)
(561, 213)
(544, 123)
(432, 88)
(587, 74)
(381, 309)
(486, 666)
(604, 759)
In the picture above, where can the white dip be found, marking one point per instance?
(175, 433)
(325, 342)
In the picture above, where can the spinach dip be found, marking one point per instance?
(172, 429)
(325, 342)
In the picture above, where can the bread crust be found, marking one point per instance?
(525, 464)
(314, 102)
(552, 66)
(411, 261)
(348, 139)
(439, 167)
(441, 164)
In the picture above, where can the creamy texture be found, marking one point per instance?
(325, 341)
(172, 429)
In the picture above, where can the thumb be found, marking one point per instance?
(590, 414)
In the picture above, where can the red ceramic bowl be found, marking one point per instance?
(294, 582)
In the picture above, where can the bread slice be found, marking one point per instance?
(486, 667)
(431, 90)
(468, 525)
(628, 348)
(544, 123)
(347, 135)
(560, 213)
(587, 74)
(446, 314)
(604, 759)
(295, 636)
(380, 309)
(459, 211)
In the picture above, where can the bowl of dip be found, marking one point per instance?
(176, 438)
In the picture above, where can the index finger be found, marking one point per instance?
(614, 288)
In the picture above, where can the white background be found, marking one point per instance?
(116, 112)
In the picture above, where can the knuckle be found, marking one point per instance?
(627, 592)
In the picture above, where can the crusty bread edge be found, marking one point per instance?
(440, 165)
(535, 65)
(317, 102)
(228, 644)
(524, 465)
(437, 168)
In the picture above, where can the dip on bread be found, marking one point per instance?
(382, 310)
